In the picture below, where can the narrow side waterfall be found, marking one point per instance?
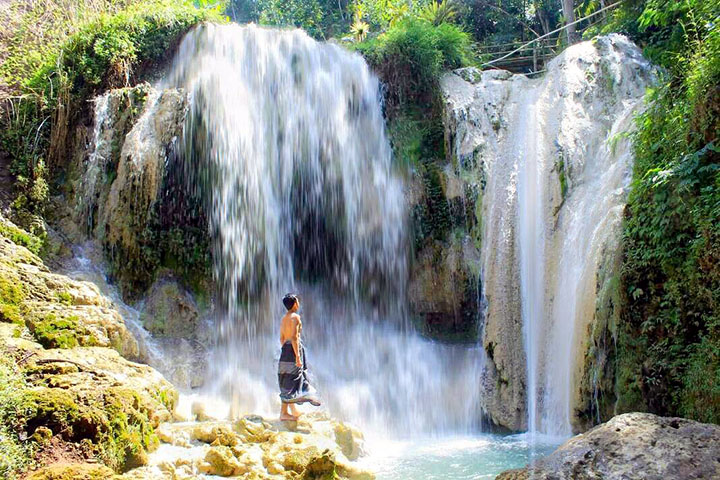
(557, 166)
(285, 141)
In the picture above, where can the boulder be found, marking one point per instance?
(221, 461)
(215, 434)
(349, 439)
(169, 310)
(632, 445)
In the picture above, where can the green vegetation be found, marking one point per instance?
(55, 78)
(21, 237)
(669, 339)
(409, 58)
(60, 332)
(16, 455)
(114, 421)
(11, 297)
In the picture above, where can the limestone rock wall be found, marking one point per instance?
(550, 160)
(118, 182)
(67, 350)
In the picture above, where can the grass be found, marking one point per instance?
(16, 455)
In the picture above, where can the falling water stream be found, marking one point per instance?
(286, 143)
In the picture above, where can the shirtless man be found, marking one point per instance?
(292, 368)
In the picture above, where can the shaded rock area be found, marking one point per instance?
(171, 315)
(633, 446)
(443, 289)
(169, 311)
(125, 190)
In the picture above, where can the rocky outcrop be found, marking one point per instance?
(171, 315)
(139, 176)
(443, 289)
(76, 397)
(58, 311)
(170, 311)
(633, 445)
(117, 183)
(315, 447)
(551, 164)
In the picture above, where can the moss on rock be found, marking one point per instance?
(54, 332)
(80, 471)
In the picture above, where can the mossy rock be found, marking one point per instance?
(21, 237)
(114, 421)
(53, 408)
(80, 471)
(221, 461)
(320, 467)
(52, 331)
(11, 296)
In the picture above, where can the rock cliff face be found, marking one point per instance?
(124, 189)
(633, 445)
(550, 164)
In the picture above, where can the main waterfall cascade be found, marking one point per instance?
(557, 166)
(285, 142)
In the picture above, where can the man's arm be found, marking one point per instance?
(296, 340)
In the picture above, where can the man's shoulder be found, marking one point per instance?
(296, 317)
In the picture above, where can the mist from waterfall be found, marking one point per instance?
(285, 141)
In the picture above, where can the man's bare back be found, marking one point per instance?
(290, 330)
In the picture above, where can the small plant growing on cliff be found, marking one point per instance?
(359, 28)
(16, 455)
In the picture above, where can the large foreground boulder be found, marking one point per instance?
(68, 395)
(630, 446)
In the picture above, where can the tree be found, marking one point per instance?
(568, 7)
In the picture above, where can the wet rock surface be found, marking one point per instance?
(315, 447)
(633, 446)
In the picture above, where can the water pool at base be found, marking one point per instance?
(456, 458)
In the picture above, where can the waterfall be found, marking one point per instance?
(558, 166)
(286, 143)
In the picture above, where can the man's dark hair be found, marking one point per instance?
(290, 300)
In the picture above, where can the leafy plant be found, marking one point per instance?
(410, 57)
(437, 13)
(670, 327)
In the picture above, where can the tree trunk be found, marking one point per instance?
(569, 14)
